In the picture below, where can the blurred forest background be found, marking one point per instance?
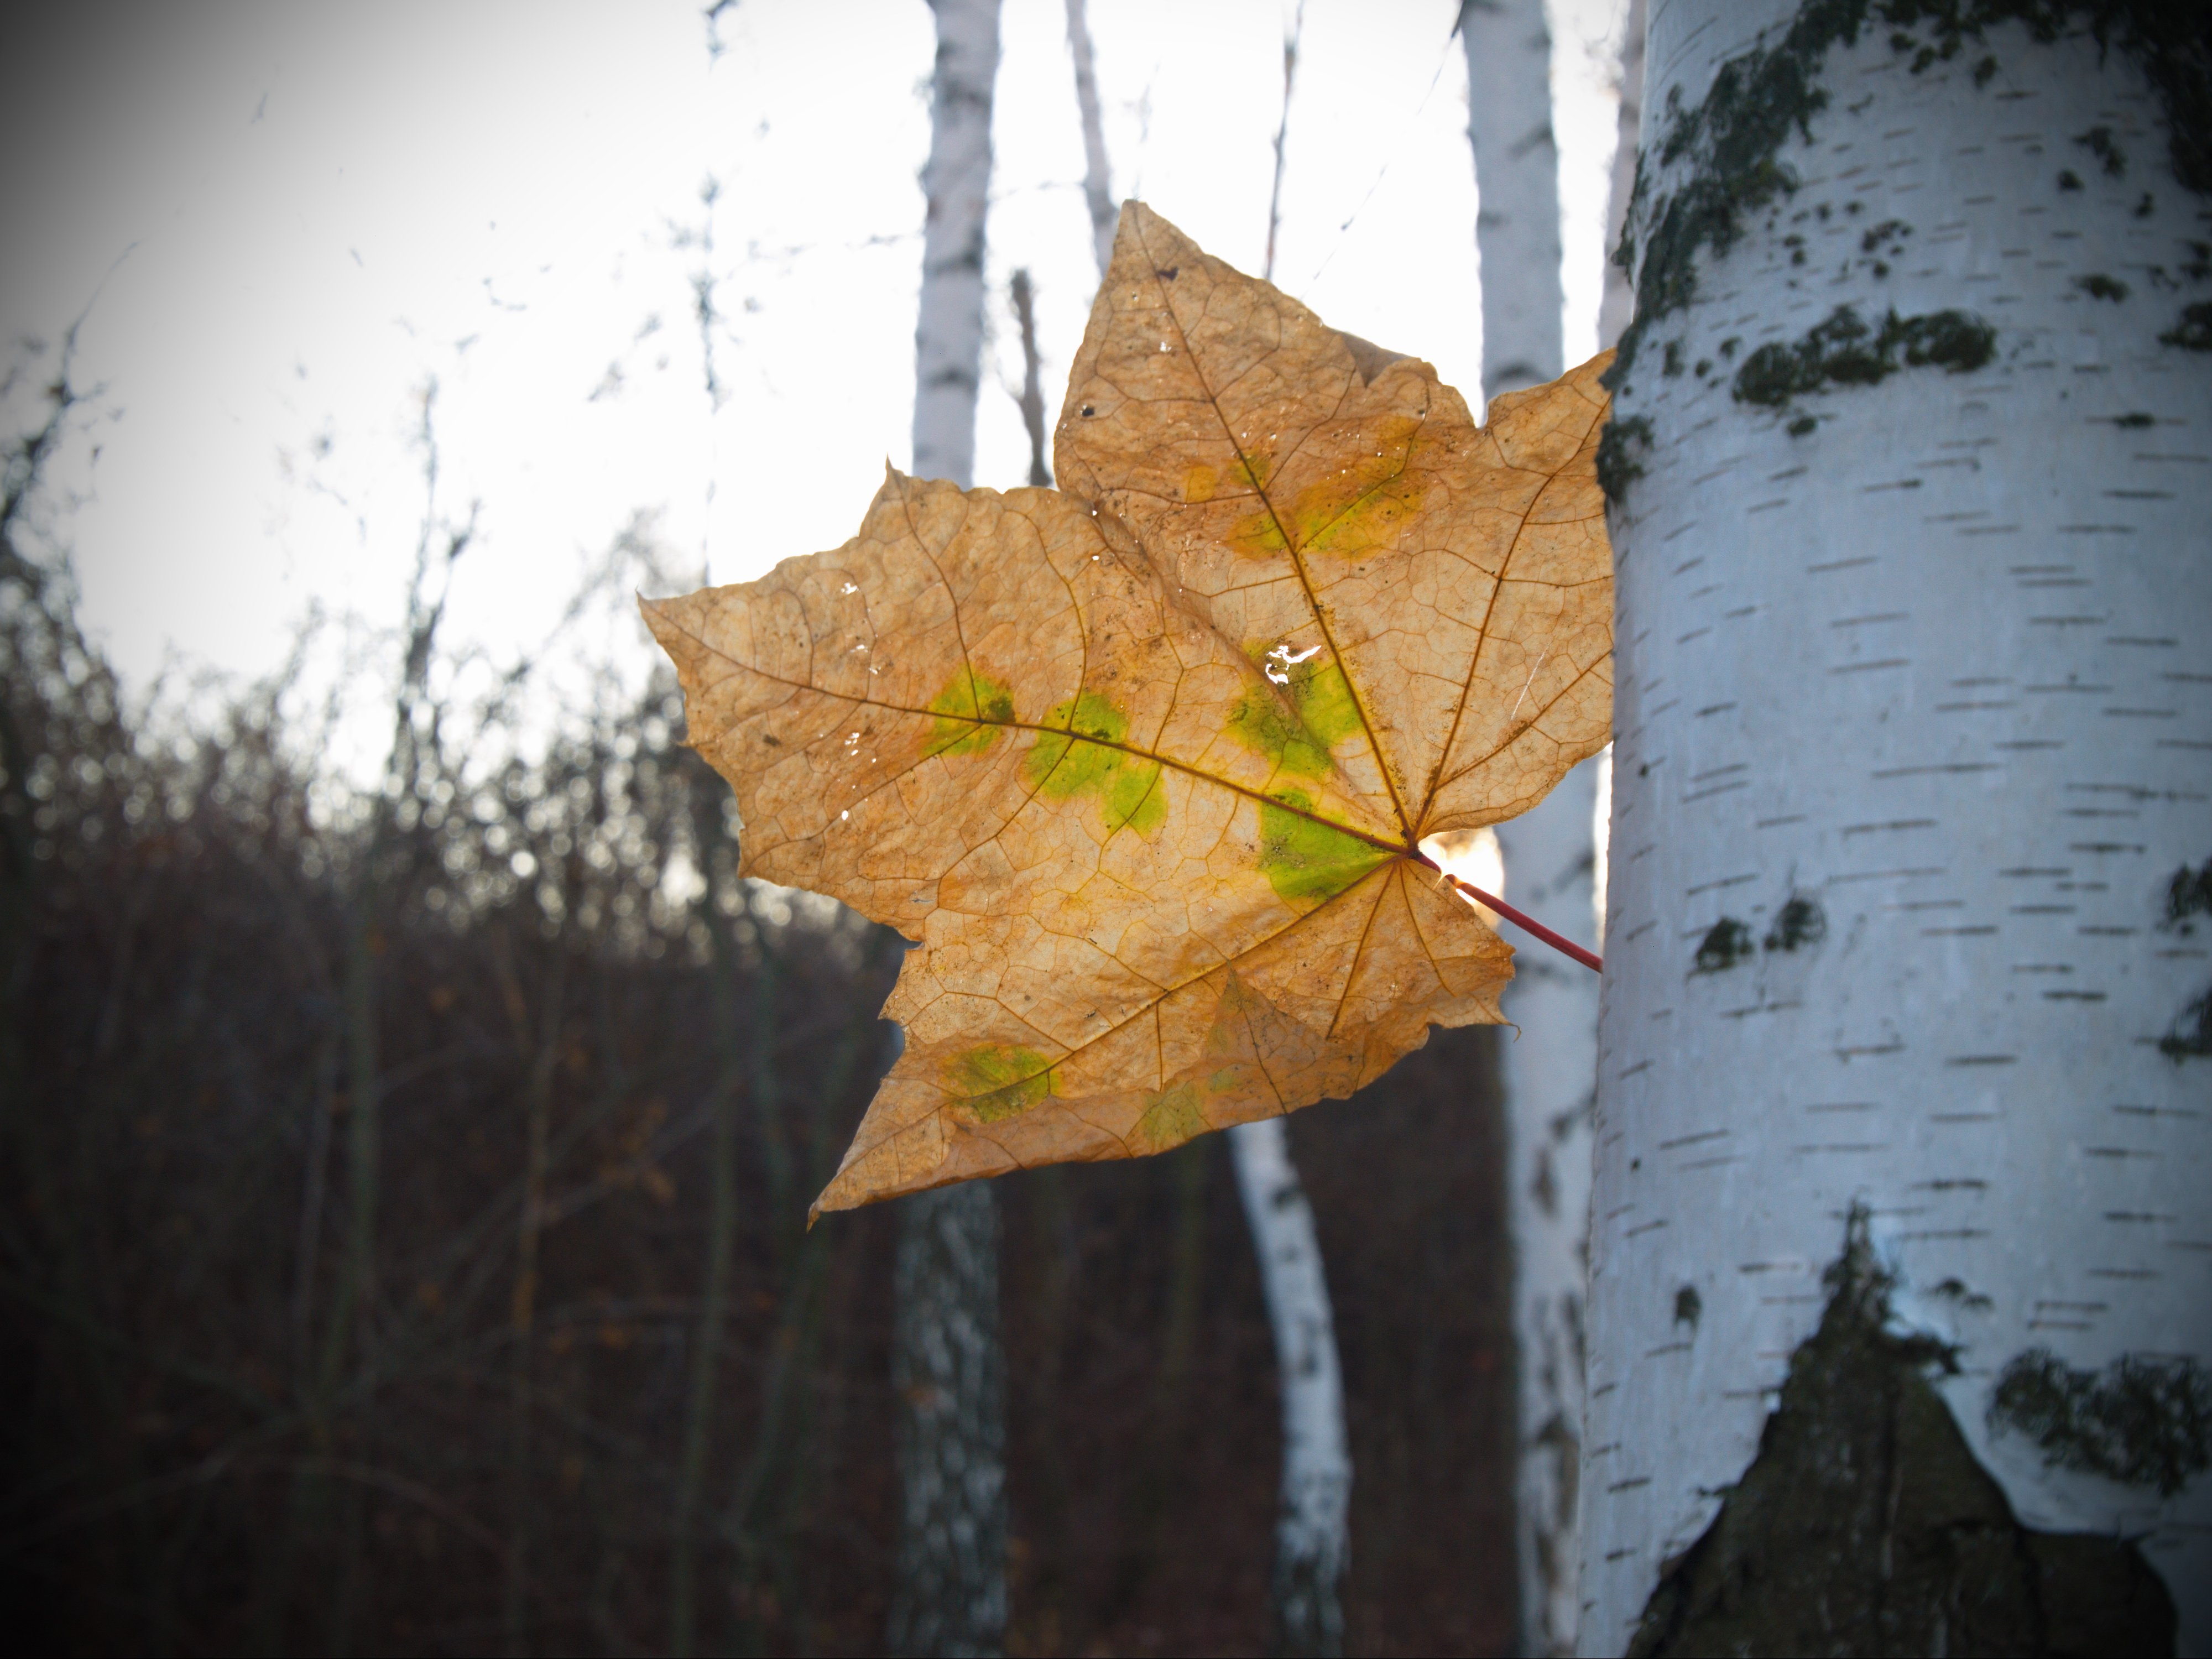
(405, 1144)
(404, 1198)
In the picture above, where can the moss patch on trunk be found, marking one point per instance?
(1865, 1525)
(1845, 349)
(1733, 138)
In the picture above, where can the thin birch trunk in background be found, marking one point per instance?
(950, 1594)
(948, 339)
(1097, 189)
(1311, 1534)
(1031, 401)
(1901, 1235)
(1618, 301)
(721, 1234)
(1548, 1067)
(1516, 168)
(1312, 1541)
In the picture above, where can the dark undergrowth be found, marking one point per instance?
(364, 1157)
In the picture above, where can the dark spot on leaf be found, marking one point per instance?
(1168, 275)
(1088, 410)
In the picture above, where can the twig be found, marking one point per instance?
(1588, 959)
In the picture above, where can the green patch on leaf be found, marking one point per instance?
(1298, 739)
(1305, 861)
(971, 711)
(1350, 514)
(997, 1081)
(1170, 1118)
(1063, 766)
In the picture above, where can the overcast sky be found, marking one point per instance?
(319, 211)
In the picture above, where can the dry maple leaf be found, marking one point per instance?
(1144, 763)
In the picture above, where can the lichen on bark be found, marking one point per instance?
(2147, 1421)
(1732, 140)
(1845, 349)
(1865, 1525)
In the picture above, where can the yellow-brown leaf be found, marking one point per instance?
(1144, 763)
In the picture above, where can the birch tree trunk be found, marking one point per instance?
(1902, 1280)
(1548, 1068)
(1312, 1541)
(947, 1370)
(948, 339)
(1098, 179)
(1310, 1546)
(1617, 302)
(1516, 169)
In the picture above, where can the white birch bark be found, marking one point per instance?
(1311, 1532)
(948, 339)
(1516, 168)
(1548, 1067)
(1936, 668)
(1617, 302)
(1549, 1074)
(1310, 1545)
(950, 1593)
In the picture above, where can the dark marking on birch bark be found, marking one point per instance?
(1845, 349)
(1733, 137)
(2193, 332)
(2188, 895)
(2192, 1035)
(1726, 943)
(1616, 464)
(1800, 923)
(1865, 1526)
(2145, 1422)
